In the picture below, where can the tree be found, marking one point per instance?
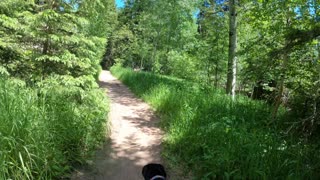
(55, 38)
(232, 60)
(159, 27)
(213, 48)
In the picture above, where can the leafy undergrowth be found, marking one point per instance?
(44, 131)
(216, 138)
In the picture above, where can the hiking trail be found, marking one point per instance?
(135, 136)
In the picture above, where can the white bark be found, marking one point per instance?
(232, 60)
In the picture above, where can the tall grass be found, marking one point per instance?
(44, 133)
(215, 137)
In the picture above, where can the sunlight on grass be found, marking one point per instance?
(217, 138)
(43, 133)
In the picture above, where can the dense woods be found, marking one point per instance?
(236, 83)
(267, 50)
(257, 52)
(52, 113)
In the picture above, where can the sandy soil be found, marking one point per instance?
(135, 137)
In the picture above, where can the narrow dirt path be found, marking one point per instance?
(135, 137)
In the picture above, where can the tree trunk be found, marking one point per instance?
(141, 62)
(155, 45)
(284, 66)
(216, 76)
(232, 60)
(277, 102)
(216, 69)
(208, 72)
(45, 46)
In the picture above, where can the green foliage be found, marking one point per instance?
(53, 38)
(182, 65)
(280, 44)
(45, 131)
(218, 138)
(144, 39)
(102, 16)
(55, 116)
(278, 48)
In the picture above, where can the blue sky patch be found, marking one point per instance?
(119, 3)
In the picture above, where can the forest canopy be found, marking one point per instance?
(237, 83)
(268, 50)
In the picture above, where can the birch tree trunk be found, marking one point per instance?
(232, 60)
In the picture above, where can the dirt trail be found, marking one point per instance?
(135, 136)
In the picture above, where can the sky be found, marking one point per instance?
(119, 3)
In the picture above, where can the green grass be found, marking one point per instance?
(44, 132)
(216, 138)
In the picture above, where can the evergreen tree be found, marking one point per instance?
(54, 39)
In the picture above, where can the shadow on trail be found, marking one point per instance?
(135, 139)
(122, 96)
(205, 128)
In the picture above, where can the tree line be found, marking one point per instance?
(268, 50)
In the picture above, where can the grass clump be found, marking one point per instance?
(43, 132)
(216, 137)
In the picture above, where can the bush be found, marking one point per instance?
(217, 138)
(45, 131)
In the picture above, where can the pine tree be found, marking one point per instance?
(54, 39)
